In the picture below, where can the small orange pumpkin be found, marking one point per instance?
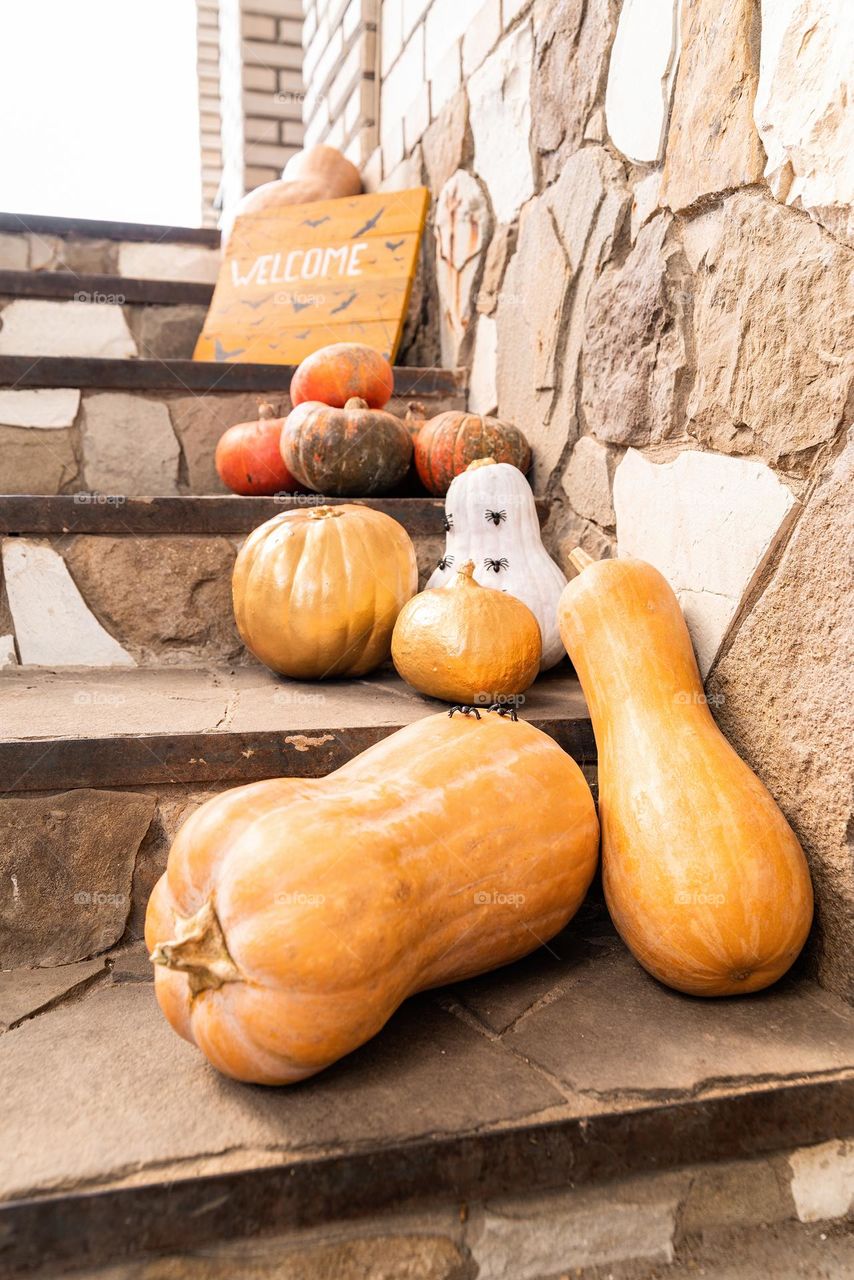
(335, 374)
(351, 452)
(248, 459)
(448, 443)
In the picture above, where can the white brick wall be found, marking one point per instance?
(250, 94)
(340, 73)
(390, 94)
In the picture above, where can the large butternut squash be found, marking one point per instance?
(704, 878)
(295, 915)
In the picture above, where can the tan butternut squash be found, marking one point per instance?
(295, 915)
(704, 878)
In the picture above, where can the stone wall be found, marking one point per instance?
(641, 246)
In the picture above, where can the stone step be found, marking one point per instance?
(572, 1075)
(73, 564)
(31, 242)
(61, 313)
(99, 767)
(147, 427)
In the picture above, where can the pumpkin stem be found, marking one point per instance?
(481, 462)
(466, 571)
(199, 950)
(266, 412)
(324, 513)
(580, 559)
(356, 402)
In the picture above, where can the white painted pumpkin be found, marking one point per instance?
(491, 518)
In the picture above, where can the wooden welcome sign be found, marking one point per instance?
(296, 278)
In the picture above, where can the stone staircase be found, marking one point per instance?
(126, 699)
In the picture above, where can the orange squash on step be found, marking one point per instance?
(296, 915)
(704, 878)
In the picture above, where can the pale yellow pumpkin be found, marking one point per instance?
(466, 643)
(295, 915)
(704, 878)
(317, 591)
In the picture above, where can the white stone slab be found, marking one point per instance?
(146, 261)
(129, 446)
(483, 396)
(823, 1181)
(641, 74)
(804, 107)
(500, 118)
(54, 626)
(707, 522)
(47, 409)
(43, 327)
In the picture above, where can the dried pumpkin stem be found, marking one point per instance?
(324, 513)
(580, 559)
(466, 570)
(199, 950)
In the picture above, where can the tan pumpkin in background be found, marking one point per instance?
(466, 643)
(317, 592)
(295, 915)
(704, 878)
(317, 173)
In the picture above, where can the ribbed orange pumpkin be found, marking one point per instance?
(335, 374)
(446, 445)
(345, 453)
(317, 592)
(296, 915)
(703, 876)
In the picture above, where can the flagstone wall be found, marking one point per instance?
(641, 247)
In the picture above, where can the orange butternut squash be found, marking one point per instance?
(295, 915)
(704, 878)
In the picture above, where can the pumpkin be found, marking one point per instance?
(703, 876)
(467, 644)
(296, 915)
(317, 592)
(318, 173)
(334, 374)
(354, 451)
(248, 459)
(448, 443)
(491, 518)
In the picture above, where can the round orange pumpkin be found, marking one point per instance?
(351, 452)
(335, 374)
(318, 173)
(317, 592)
(248, 459)
(448, 443)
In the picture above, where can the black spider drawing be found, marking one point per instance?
(496, 565)
(445, 562)
(449, 523)
(497, 517)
